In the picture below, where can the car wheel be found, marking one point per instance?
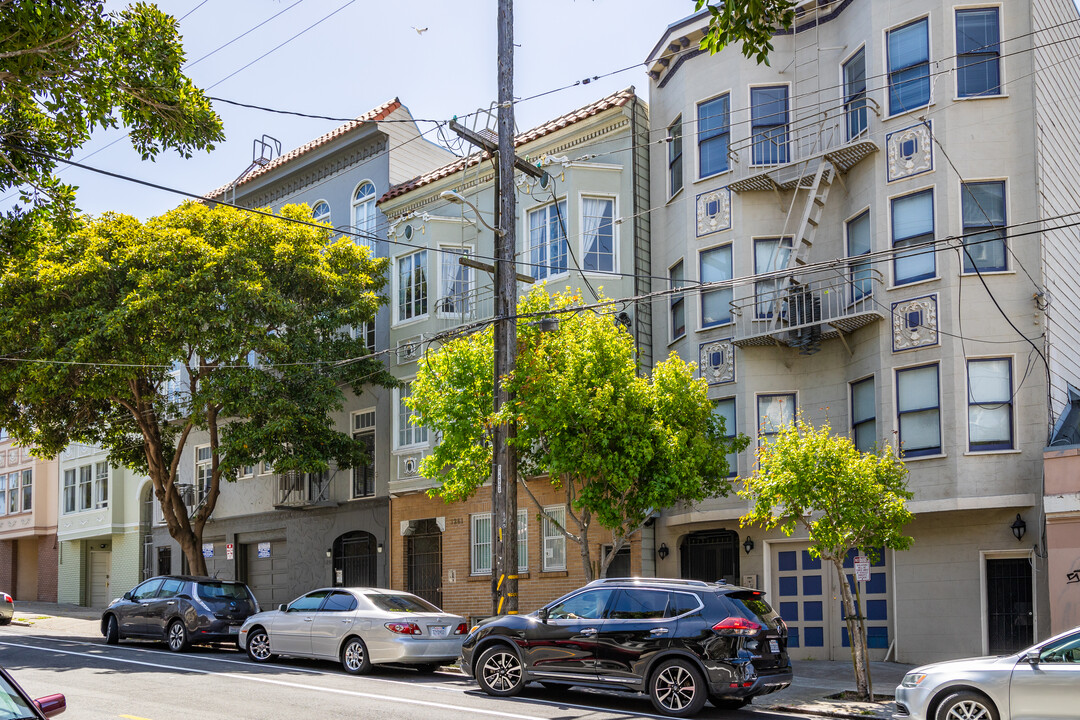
(177, 636)
(499, 672)
(354, 657)
(112, 631)
(677, 689)
(729, 703)
(966, 705)
(5, 621)
(258, 646)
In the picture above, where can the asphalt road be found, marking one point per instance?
(137, 681)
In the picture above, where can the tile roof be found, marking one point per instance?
(374, 115)
(617, 99)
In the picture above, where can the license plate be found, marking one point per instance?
(234, 629)
(438, 630)
(774, 647)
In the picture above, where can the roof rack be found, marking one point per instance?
(665, 581)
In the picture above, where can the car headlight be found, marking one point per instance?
(913, 679)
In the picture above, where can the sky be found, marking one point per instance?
(362, 54)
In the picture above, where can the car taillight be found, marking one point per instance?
(736, 626)
(461, 629)
(8, 598)
(406, 628)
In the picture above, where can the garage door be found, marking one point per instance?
(268, 575)
(220, 566)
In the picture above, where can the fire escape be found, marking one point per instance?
(793, 302)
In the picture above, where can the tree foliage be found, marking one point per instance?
(619, 445)
(134, 335)
(809, 479)
(66, 68)
(750, 24)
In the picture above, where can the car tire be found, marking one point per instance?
(112, 631)
(258, 646)
(499, 671)
(966, 705)
(677, 688)
(354, 657)
(729, 703)
(176, 636)
(5, 621)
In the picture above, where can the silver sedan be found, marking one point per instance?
(7, 608)
(359, 627)
(1042, 682)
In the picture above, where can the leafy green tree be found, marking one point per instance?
(843, 499)
(135, 335)
(750, 23)
(68, 67)
(619, 445)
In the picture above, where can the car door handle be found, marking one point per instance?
(146, 604)
(171, 602)
(659, 631)
(307, 619)
(588, 631)
(346, 621)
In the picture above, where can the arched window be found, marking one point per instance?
(364, 207)
(355, 558)
(321, 212)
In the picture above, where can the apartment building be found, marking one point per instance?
(586, 227)
(880, 209)
(285, 534)
(28, 544)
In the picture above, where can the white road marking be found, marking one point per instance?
(283, 683)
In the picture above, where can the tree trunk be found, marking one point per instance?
(586, 558)
(852, 614)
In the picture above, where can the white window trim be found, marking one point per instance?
(526, 243)
(397, 418)
(354, 203)
(63, 490)
(329, 211)
(473, 517)
(698, 177)
(750, 126)
(353, 430)
(672, 338)
(1003, 89)
(396, 288)
(885, 63)
(544, 566)
(732, 433)
(615, 235)
(757, 410)
(469, 250)
(671, 193)
(98, 503)
(932, 187)
(843, 91)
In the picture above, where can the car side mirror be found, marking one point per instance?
(1032, 656)
(51, 705)
(282, 608)
(542, 613)
(127, 595)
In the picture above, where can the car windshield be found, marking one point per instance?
(752, 606)
(222, 591)
(402, 603)
(12, 705)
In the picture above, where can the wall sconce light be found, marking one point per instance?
(662, 551)
(378, 548)
(103, 546)
(329, 552)
(1019, 527)
(748, 545)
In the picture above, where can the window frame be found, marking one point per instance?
(71, 508)
(761, 287)
(730, 246)
(852, 280)
(474, 546)
(957, 10)
(856, 423)
(415, 431)
(84, 493)
(357, 432)
(1010, 402)
(896, 281)
(372, 221)
(725, 132)
(675, 156)
(325, 218)
(207, 464)
(730, 432)
(613, 198)
(759, 432)
(677, 300)
(540, 267)
(443, 293)
(849, 100)
(924, 452)
(415, 261)
(554, 538)
(966, 229)
(784, 150)
(889, 72)
(101, 484)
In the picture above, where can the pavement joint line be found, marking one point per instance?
(284, 683)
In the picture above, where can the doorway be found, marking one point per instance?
(100, 569)
(423, 560)
(355, 556)
(710, 555)
(1010, 616)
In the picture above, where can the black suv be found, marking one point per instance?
(181, 610)
(680, 641)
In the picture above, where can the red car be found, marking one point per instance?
(14, 699)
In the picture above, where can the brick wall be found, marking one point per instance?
(7, 566)
(71, 579)
(470, 595)
(48, 556)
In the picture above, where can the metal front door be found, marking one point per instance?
(355, 560)
(1009, 618)
(711, 556)
(423, 561)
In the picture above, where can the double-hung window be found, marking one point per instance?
(456, 282)
(769, 124)
(983, 211)
(919, 410)
(770, 254)
(978, 52)
(725, 409)
(408, 433)
(909, 66)
(913, 224)
(775, 411)
(598, 231)
(69, 490)
(990, 405)
(678, 304)
(101, 484)
(363, 207)
(204, 464)
(863, 415)
(855, 94)
(547, 240)
(86, 487)
(13, 492)
(675, 178)
(27, 490)
(363, 476)
(412, 286)
(858, 244)
(714, 135)
(523, 540)
(366, 331)
(554, 540)
(480, 534)
(3, 494)
(716, 303)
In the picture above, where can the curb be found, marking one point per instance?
(804, 710)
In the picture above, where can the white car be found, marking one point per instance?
(7, 608)
(359, 627)
(1040, 683)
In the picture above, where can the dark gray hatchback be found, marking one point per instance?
(181, 610)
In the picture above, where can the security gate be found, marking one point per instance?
(710, 556)
(1010, 623)
(355, 560)
(423, 561)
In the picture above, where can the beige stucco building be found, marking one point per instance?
(879, 209)
(28, 544)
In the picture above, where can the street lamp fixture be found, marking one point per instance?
(1019, 527)
(662, 551)
(748, 544)
(458, 199)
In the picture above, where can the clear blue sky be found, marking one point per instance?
(365, 54)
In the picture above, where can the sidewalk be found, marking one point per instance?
(815, 680)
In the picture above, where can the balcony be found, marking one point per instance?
(297, 490)
(805, 311)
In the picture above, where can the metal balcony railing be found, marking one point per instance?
(297, 490)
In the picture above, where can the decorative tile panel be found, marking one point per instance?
(713, 211)
(915, 323)
(717, 362)
(910, 152)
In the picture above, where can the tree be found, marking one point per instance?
(619, 445)
(66, 68)
(136, 335)
(750, 23)
(844, 499)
